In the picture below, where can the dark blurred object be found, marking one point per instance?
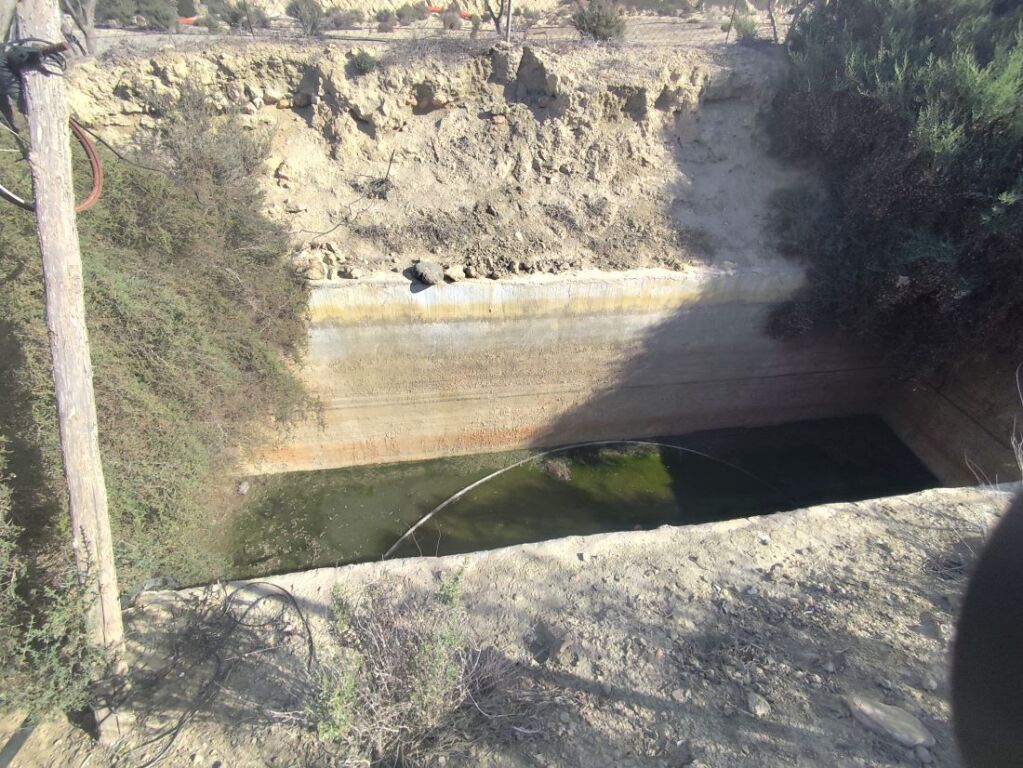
(987, 665)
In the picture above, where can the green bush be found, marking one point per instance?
(46, 662)
(912, 110)
(745, 27)
(339, 19)
(187, 9)
(362, 62)
(159, 14)
(192, 316)
(600, 20)
(412, 12)
(212, 23)
(309, 14)
(386, 26)
(386, 15)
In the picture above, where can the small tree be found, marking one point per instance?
(309, 14)
(248, 15)
(83, 13)
(599, 20)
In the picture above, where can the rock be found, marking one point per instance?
(923, 754)
(455, 273)
(758, 705)
(533, 77)
(429, 272)
(929, 683)
(292, 207)
(302, 100)
(498, 119)
(680, 695)
(315, 271)
(350, 273)
(243, 488)
(887, 720)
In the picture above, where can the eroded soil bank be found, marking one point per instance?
(654, 641)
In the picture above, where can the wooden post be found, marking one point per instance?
(507, 26)
(50, 160)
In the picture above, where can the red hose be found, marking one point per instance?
(94, 163)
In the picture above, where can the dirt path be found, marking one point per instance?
(730, 644)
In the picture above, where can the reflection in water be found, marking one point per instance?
(310, 519)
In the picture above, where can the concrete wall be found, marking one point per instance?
(961, 425)
(405, 372)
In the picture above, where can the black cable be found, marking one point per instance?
(208, 690)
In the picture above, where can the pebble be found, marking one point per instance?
(923, 754)
(930, 683)
(758, 705)
(680, 695)
(887, 720)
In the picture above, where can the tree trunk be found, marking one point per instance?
(774, 21)
(508, 24)
(50, 160)
(83, 12)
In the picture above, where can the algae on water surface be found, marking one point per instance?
(311, 519)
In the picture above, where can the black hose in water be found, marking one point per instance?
(650, 443)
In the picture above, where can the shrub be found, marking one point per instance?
(362, 62)
(309, 14)
(192, 316)
(386, 15)
(212, 23)
(745, 27)
(911, 109)
(120, 11)
(339, 19)
(599, 20)
(386, 26)
(46, 662)
(159, 14)
(246, 15)
(403, 683)
(451, 21)
(476, 22)
(187, 9)
(412, 12)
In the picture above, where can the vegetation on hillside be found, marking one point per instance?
(912, 110)
(192, 315)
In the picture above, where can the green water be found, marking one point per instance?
(310, 519)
